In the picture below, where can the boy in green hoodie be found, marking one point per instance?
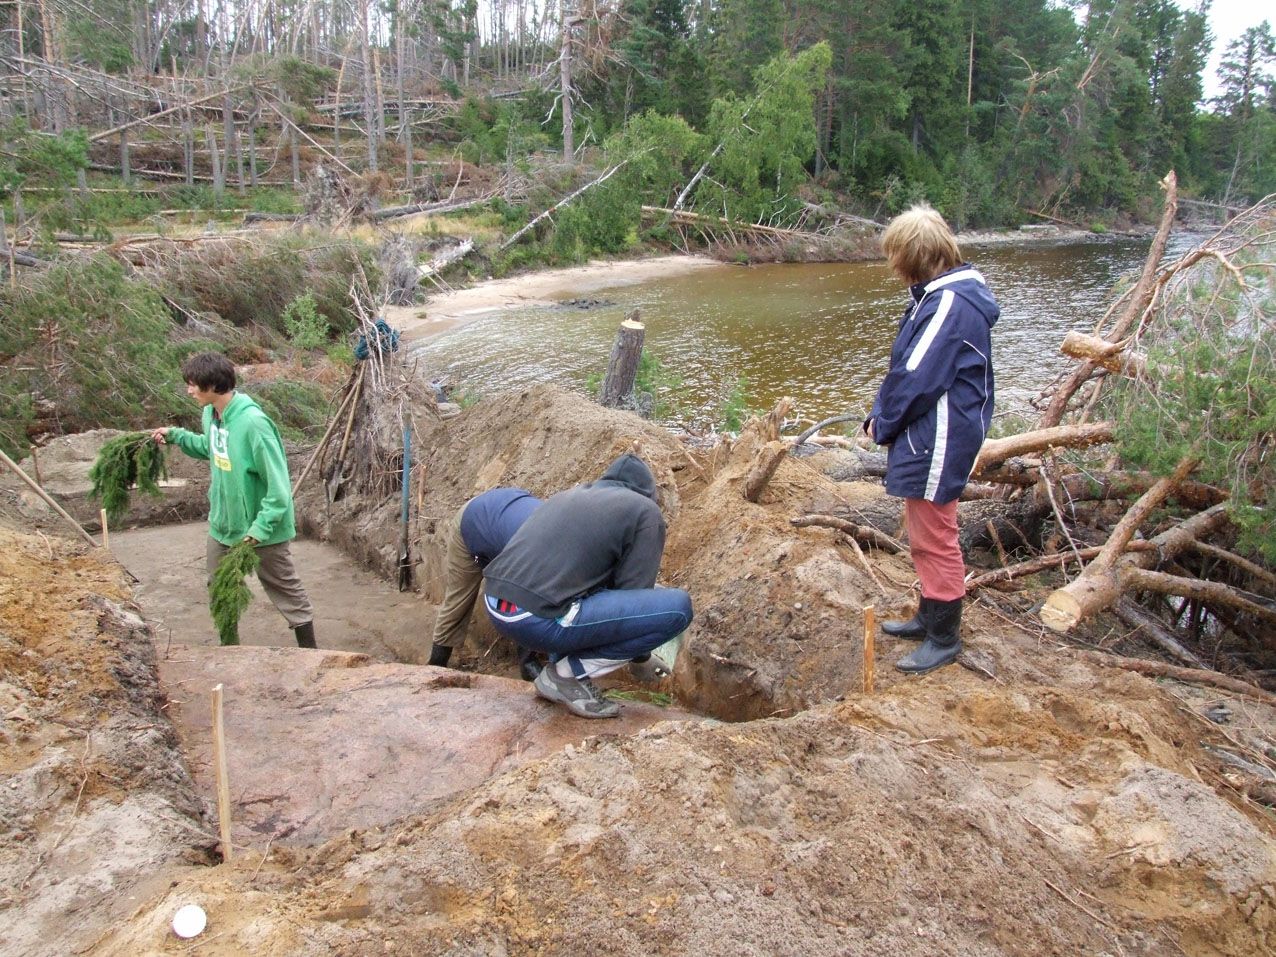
(250, 496)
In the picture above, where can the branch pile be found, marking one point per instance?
(1150, 467)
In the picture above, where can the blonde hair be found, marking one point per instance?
(919, 245)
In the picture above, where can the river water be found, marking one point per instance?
(820, 333)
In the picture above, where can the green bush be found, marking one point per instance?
(84, 346)
(305, 327)
(734, 410)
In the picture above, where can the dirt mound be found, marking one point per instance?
(779, 610)
(95, 797)
(940, 818)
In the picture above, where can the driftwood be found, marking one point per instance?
(617, 389)
(863, 534)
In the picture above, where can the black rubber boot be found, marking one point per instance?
(915, 627)
(305, 635)
(528, 666)
(440, 655)
(943, 640)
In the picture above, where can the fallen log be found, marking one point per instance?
(684, 218)
(996, 451)
(1207, 591)
(861, 533)
(1044, 563)
(447, 258)
(1154, 630)
(394, 212)
(1100, 585)
(606, 175)
(1157, 669)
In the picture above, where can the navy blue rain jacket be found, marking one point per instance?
(935, 405)
(490, 520)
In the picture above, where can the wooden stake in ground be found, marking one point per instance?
(223, 778)
(35, 465)
(870, 638)
(106, 534)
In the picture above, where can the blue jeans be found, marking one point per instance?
(617, 626)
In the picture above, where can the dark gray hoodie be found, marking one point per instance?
(607, 534)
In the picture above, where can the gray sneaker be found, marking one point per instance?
(579, 696)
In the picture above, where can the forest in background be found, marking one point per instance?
(995, 112)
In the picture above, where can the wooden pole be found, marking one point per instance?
(223, 778)
(870, 636)
(46, 498)
(35, 465)
(106, 534)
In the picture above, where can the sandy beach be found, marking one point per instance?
(447, 310)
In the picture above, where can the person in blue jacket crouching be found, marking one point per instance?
(932, 411)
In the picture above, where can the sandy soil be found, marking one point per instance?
(1046, 807)
(443, 311)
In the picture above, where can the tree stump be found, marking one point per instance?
(622, 367)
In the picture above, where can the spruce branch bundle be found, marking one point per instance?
(228, 595)
(124, 461)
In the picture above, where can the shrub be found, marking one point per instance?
(84, 346)
(305, 327)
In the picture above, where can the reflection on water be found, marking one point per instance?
(820, 333)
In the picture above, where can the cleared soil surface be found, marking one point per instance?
(1038, 805)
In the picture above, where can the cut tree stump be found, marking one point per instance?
(622, 368)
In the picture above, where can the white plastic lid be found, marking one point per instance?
(189, 921)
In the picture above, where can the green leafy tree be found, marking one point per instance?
(1246, 101)
(766, 140)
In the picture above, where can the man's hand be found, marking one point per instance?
(251, 541)
(160, 436)
(868, 428)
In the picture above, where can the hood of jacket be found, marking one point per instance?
(239, 404)
(965, 281)
(632, 472)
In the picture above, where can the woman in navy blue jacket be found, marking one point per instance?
(933, 410)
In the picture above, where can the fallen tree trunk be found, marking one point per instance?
(1100, 585)
(608, 174)
(393, 212)
(684, 218)
(1205, 591)
(1154, 630)
(447, 258)
(996, 451)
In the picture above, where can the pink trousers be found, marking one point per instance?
(932, 542)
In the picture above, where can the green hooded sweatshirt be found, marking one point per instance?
(250, 494)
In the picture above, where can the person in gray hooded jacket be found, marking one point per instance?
(578, 581)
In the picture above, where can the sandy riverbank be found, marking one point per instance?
(444, 311)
